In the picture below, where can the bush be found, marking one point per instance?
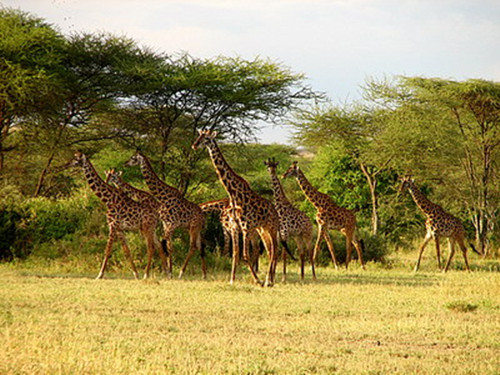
(36, 224)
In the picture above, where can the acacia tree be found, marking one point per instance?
(96, 71)
(230, 95)
(455, 138)
(30, 49)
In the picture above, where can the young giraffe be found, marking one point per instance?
(329, 216)
(223, 207)
(149, 202)
(293, 222)
(123, 213)
(175, 212)
(249, 210)
(439, 224)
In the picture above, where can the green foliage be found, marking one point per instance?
(335, 173)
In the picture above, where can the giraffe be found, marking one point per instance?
(329, 216)
(149, 202)
(175, 212)
(249, 210)
(223, 207)
(293, 222)
(123, 213)
(439, 224)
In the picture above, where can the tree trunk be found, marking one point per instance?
(41, 179)
(372, 184)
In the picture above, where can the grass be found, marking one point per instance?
(381, 321)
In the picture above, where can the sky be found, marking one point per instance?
(336, 44)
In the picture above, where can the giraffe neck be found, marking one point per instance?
(425, 205)
(317, 198)
(157, 186)
(235, 185)
(133, 191)
(280, 199)
(102, 190)
(215, 206)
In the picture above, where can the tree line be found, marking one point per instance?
(108, 96)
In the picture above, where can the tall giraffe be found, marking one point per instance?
(123, 213)
(223, 207)
(439, 224)
(175, 212)
(329, 216)
(149, 202)
(293, 222)
(249, 210)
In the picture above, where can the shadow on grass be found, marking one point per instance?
(412, 279)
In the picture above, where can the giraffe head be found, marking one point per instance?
(136, 159)
(78, 159)
(271, 164)
(205, 138)
(406, 182)
(293, 171)
(112, 176)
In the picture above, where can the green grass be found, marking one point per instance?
(381, 321)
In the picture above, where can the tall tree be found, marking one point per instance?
(96, 72)
(29, 51)
(456, 138)
(230, 95)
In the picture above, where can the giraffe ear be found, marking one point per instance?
(119, 173)
(200, 131)
(214, 134)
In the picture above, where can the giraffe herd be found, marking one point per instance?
(245, 216)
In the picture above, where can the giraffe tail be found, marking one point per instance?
(164, 246)
(474, 249)
(362, 244)
(287, 249)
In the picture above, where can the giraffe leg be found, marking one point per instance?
(450, 256)
(194, 244)
(167, 237)
(163, 257)
(359, 250)
(149, 236)
(246, 256)
(302, 254)
(438, 251)
(283, 243)
(310, 254)
(107, 253)
(331, 248)
(348, 247)
(255, 241)
(227, 242)
(272, 247)
(427, 238)
(464, 253)
(236, 253)
(127, 252)
(315, 253)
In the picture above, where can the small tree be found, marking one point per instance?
(353, 130)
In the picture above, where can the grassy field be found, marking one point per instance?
(381, 321)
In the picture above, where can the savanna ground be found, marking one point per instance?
(379, 321)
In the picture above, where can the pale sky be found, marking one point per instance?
(337, 44)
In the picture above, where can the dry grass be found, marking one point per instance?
(378, 321)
